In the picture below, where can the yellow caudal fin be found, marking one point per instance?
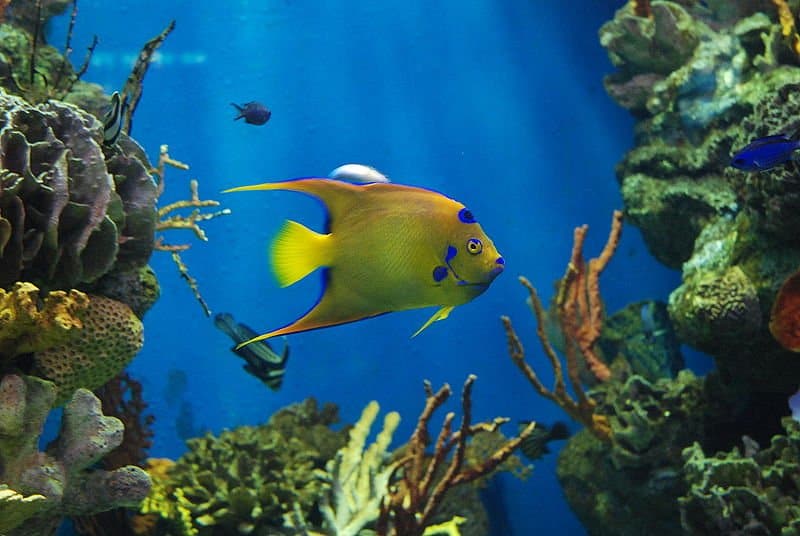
(441, 314)
(297, 251)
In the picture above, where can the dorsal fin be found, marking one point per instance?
(338, 196)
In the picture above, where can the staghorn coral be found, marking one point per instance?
(752, 493)
(111, 336)
(26, 325)
(70, 212)
(63, 474)
(247, 479)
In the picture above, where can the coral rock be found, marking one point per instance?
(111, 336)
(62, 475)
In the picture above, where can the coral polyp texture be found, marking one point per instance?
(72, 209)
(30, 322)
(748, 491)
(110, 337)
(39, 488)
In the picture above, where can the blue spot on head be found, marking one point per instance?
(439, 273)
(465, 215)
(451, 252)
(500, 260)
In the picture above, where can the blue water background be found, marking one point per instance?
(498, 104)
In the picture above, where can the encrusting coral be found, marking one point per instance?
(30, 322)
(63, 475)
(752, 492)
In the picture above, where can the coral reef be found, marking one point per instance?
(71, 213)
(731, 75)
(640, 468)
(110, 337)
(642, 336)
(63, 475)
(247, 479)
(752, 492)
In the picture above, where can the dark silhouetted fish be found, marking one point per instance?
(253, 113)
(261, 360)
(535, 445)
(177, 381)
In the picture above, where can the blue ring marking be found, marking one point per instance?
(465, 215)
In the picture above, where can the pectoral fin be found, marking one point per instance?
(441, 314)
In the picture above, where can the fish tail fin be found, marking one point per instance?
(297, 251)
(238, 109)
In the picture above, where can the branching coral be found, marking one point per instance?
(358, 480)
(424, 481)
(169, 220)
(580, 314)
(63, 475)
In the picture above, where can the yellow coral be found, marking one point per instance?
(26, 326)
(164, 501)
(111, 336)
(449, 528)
(16, 508)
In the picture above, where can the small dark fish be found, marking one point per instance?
(113, 118)
(766, 153)
(253, 113)
(535, 445)
(261, 360)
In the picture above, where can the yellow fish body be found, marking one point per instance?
(387, 247)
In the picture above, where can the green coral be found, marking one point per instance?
(641, 334)
(753, 493)
(640, 469)
(245, 480)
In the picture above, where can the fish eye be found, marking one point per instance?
(465, 215)
(474, 246)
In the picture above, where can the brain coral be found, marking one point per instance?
(110, 338)
(72, 209)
